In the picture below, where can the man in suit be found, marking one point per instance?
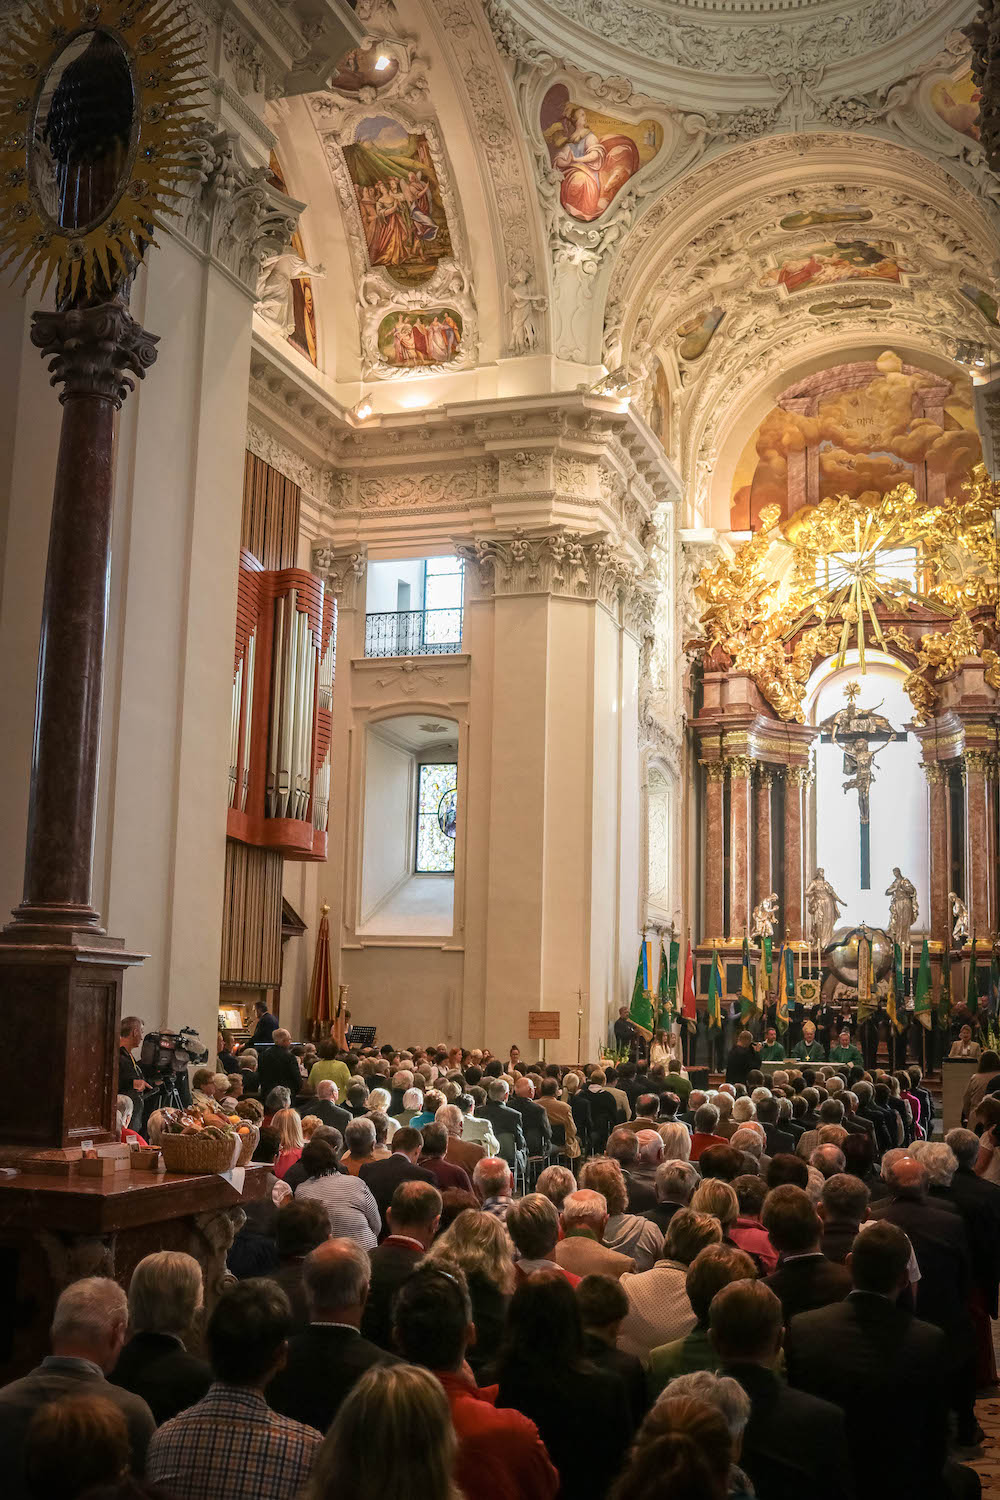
(675, 1183)
(328, 1358)
(560, 1116)
(779, 1142)
(789, 1434)
(505, 1121)
(413, 1216)
(534, 1120)
(603, 1309)
(843, 1206)
(805, 1278)
(476, 1129)
(886, 1369)
(941, 1245)
(460, 1152)
(434, 1159)
(88, 1332)
(624, 1148)
(324, 1105)
(978, 1201)
(880, 1120)
(384, 1177)
(278, 1066)
(584, 1218)
(130, 1079)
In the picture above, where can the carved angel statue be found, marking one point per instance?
(524, 306)
(765, 914)
(274, 289)
(823, 905)
(903, 908)
(960, 912)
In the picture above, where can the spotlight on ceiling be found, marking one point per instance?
(617, 384)
(362, 411)
(382, 62)
(970, 354)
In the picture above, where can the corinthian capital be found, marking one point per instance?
(93, 350)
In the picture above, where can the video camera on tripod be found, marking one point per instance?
(164, 1057)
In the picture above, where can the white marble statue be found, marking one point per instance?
(823, 906)
(960, 912)
(764, 917)
(274, 289)
(903, 908)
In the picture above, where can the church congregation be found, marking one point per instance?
(570, 1282)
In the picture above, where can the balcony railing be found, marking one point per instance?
(414, 632)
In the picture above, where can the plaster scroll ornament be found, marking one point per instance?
(960, 912)
(275, 299)
(903, 907)
(823, 906)
(765, 915)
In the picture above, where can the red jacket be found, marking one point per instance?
(700, 1142)
(500, 1455)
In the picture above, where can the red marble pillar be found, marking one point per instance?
(937, 832)
(763, 865)
(740, 781)
(796, 778)
(715, 774)
(60, 974)
(980, 877)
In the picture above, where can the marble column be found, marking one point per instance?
(796, 780)
(715, 777)
(980, 878)
(936, 776)
(740, 782)
(763, 865)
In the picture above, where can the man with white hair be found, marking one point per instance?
(402, 1080)
(325, 1105)
(505, 1122)
(744, 1110)
(87, 1334)
(750, 1144)
(696, 1099)
(493, 1182)
(413, 1104)
(581, 1251)
(461, 1153)
(278, 1066)
(477, 1129)
(674, 1185)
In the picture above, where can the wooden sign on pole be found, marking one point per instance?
(543, 1025)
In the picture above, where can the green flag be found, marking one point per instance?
(666, 997)
(972, 992)
(748, 1003)
(944, 992)
(641, 1009)
(675, 955)
(922, 999)
(786, 988)
(767, 956)
(715, 990)
(866, 979)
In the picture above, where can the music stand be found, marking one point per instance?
(361, 1036)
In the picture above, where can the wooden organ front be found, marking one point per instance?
(279, 763)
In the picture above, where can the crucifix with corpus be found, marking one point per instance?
(861, 734)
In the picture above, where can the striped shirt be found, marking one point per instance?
(231, 1446)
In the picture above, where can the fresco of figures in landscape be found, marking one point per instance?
(302, 312)
(826, 265)
(399, 199)
(856, 429)
(594, 153)
(431, 337)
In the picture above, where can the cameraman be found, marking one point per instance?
(130, 1079)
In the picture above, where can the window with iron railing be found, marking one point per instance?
(434, 630)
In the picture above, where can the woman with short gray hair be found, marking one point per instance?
(164, 1301)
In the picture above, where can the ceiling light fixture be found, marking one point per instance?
(382, 62)
(362, 410)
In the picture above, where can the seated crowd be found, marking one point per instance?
(492, 1279)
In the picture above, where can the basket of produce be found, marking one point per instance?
(249, 1137)
(194, 1140)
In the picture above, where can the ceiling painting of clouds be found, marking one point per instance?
(855, 429)
(594, 153)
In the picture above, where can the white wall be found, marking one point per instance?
(383, 581)
(388, 821)
(898, 826)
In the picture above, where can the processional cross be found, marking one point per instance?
(861, 734)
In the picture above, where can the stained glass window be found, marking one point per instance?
(437, 807)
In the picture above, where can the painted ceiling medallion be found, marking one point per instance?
(97, 101)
